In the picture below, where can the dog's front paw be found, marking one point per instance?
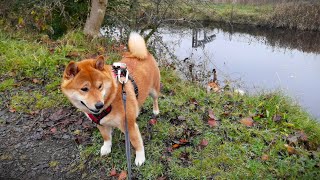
(140, 158)
(106, 148)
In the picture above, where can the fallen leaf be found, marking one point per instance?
(247, 121)
(302, 136)
(183, 141)
(291, 150)
(265, 157)
(204, 143)
(211, 114)
(12, 110)
(36, 81)
(113, 172)
(53, 130)
(153, 121)
(162, 178)
(123, 175)
(292, 139)
(277, 118)
(213, 123)
(175, 146)
(194, 101)
(34, 112)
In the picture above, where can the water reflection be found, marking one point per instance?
(196, 33)
(257, 58)
(305, 41)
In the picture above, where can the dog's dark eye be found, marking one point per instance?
(85, 89)
(100, 86)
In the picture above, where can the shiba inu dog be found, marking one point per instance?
(92, 87)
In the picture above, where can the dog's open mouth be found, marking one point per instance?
(93, 111)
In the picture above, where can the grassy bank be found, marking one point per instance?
(197, 135)
(293, 15)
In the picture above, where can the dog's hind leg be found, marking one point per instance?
(154, 95)
(106, 132)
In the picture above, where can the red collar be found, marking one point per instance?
(96, 118)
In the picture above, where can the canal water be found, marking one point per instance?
(254, 59)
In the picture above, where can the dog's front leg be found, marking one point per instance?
(137, 143)
(107, 143)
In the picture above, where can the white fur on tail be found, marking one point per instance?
(137, 46)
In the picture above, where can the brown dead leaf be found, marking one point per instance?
(153, 121)
(302, 136)
(53, 130)
(213, 123)
(175, 146)
(291, 150)
(204, 143)
(248, 121)
(194, 101)
(113, 172)
(36, 81)
(183, 141)
(211, 114)
(12, 110)
(34, 112)
(162, 178)
(277, 118)
(264, 157)
(292, 139)
(122, 175)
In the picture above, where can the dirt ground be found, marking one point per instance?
(42, 145)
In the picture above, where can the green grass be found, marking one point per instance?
(32, 66)
(234, 151)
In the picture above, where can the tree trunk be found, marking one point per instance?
(95, 19)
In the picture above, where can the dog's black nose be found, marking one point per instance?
(99, 105)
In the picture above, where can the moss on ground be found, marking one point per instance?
(197, 135)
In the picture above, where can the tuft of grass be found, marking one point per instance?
(7, 84)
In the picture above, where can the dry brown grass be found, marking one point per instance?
(303, 16)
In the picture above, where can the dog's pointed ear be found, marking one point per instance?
(100, 63)
(71, 70)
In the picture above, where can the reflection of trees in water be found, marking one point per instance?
(196, 34)
(306, 41)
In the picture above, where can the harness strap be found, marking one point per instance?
(136, 90)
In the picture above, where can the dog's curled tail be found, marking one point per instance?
(137, 46)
